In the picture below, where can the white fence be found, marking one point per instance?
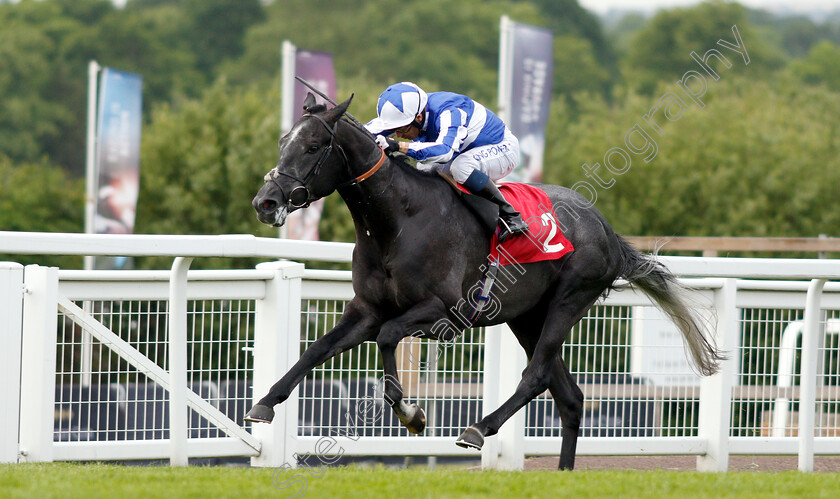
(139, 365)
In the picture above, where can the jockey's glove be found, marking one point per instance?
(387, 144)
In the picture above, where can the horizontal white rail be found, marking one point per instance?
(247, 245)
(234, 245)
(753, 268)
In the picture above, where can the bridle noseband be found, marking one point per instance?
(275, 173)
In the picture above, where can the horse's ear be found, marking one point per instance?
(336, 112)
(309, 102)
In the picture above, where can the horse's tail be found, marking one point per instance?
(656, 281)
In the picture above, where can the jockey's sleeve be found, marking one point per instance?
(453, 130)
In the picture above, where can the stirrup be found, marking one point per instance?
(507, 231)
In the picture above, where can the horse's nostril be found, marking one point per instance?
(268, 206)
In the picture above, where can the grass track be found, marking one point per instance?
(112, 481)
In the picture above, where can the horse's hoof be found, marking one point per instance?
(470, 439)
(260, 414)
(418, 422)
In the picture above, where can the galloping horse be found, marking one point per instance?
(420, 249)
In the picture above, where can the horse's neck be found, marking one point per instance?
(382, 203)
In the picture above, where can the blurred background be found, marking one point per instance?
(760, 159)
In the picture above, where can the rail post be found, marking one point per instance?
(490, 392)
(808, 380)
(178, 414)
(38, 358)
(11, 309)
(505, 373)
(276, 349)
(716, 390)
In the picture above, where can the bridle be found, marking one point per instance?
(275, 173)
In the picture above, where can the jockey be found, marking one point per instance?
(451, 133)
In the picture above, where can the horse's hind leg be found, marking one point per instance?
(569, 400)
(563, 313)
(564, 390)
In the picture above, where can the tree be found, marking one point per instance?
(44, 51)
(201, 163)
(576, 67)
(454, 48)
(794, 35)
(661, 51)
(39, 197)
(28, 117)
(217, 29)
(821, 66)
(761, 159)
(567, 17)
(619, 31)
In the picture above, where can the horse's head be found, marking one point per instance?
(310, 165)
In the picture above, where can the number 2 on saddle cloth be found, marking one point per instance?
(544, 240)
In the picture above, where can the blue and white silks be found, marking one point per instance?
(453, 124)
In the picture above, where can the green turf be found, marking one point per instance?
(101, 480)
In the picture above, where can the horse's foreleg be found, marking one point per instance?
(418, 322)
(352, 329)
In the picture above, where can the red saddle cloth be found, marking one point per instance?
(544, 241)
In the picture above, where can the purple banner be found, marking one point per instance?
(531, 95)
(317, 69)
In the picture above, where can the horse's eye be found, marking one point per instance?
(313, 148)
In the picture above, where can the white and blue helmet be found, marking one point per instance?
(398, 105)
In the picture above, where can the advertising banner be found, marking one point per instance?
(317, 69)
(118, 155)
(529, 74)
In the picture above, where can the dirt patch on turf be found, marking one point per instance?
(824, 464)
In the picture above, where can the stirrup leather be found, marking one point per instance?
(508, 229)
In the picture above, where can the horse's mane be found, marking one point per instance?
(399, 160)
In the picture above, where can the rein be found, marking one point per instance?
(274, 174)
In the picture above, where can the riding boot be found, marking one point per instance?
(510, 221)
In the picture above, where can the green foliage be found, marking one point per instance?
(45, 47)
(211, 30)
(455, 48)
(576, 67)
(28, 118)
(38, 197)
(620, 31)
(793, 35)
(761, 159)
(661, 50)
(567, 17)
(203, 162)
(822, 66)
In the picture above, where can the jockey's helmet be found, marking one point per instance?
(399, 104)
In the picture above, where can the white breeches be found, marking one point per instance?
(495, 160)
